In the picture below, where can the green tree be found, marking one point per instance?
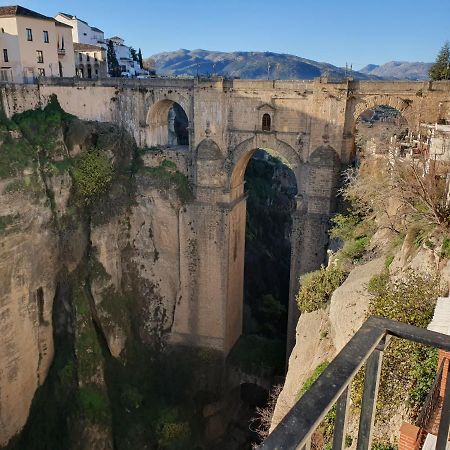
(134, 55)
(141, 62)
(113, 64)
(440, 70)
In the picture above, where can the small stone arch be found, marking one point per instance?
(243, 152)
(208, 150)
(157, 121)
(404, 106)
(209, 165)
(325, 156)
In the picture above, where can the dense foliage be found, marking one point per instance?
(317, 287)
(408, 369)
(111, 57)
(92, 174)
(440, 70)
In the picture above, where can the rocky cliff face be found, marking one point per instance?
(88, 277)
(397, 272)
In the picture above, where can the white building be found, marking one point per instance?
(438, 139)
(82, 32)
(124, 58)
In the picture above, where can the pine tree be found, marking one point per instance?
(141, 62)
(134, 55)
(440, 70)
(113, 64)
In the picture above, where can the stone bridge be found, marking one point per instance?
(308, 124)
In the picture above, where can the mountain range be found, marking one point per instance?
(260, 65)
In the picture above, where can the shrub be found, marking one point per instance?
(383, 446)
(94, 404)
(354, 231)
(312, 379)
(92, 174)
(445, 249)
(166, 176)
(326, 428)
(174, 435)
(317, 287)
(408, 369)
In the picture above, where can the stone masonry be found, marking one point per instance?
(312, 131)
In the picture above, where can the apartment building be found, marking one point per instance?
(33, 45)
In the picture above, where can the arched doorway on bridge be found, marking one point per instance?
(270, 188)
(269, 185)
(380, 130)
(167, 125)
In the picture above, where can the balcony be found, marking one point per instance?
(333, 387)
(61, 51)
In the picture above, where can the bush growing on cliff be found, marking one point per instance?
(317, 287)
(43, 128)
(408, 369)
(166, 176)
(92, 174)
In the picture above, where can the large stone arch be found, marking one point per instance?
(157, 126)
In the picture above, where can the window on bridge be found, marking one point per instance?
(266, 122)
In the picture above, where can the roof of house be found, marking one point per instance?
(96, 29)
(12, 11)
(86, 47)
(72, 17)
(60, 24)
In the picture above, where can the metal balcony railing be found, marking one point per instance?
(333, 386)
(432, 401)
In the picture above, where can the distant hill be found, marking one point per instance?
(246, 65)
(399, 70)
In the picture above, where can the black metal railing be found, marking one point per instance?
(432, 401)
(333, 386)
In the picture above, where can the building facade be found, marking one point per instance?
(82, 32)
(90, 61)
(124, 57)
(33, 45)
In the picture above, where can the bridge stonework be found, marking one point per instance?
(312, 131)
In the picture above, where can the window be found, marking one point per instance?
(81, 57)
(40, 56)
(46, 37)
(29, 34)
(88, 58)
(266, 122)
(95, 57)
(41, 72)
(5, 55)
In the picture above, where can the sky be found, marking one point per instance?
(338, 32)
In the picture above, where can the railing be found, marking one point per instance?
(367, 345)
(432, 400)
